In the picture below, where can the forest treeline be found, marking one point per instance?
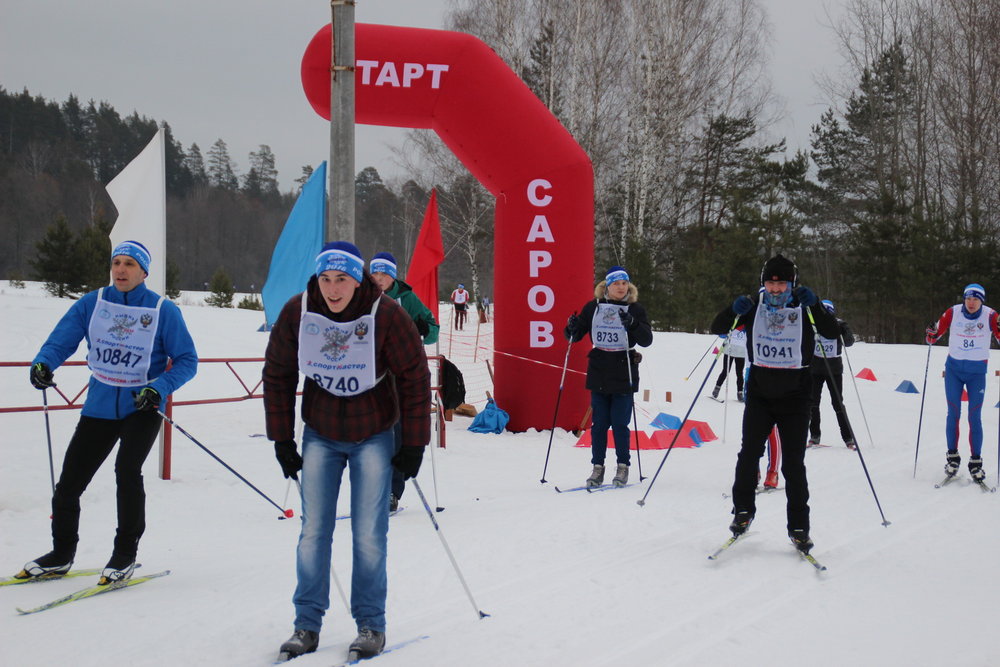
(891, 211)
(56, 158)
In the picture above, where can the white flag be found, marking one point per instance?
(139, 193)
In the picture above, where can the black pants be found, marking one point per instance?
(727, 363)
(791, 415)
(836, 382)
(91, 443)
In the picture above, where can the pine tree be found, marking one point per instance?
(222, 290)
(94, 249)
(221, 173)
(172, 279)
(57, 262)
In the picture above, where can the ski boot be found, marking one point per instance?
(368, 644)
(301, 642)
(976, 469)
(953, 461)
(621, 476)
(813, 441)
(119, 568)
(740, 397)
(771, 480)
(715, 392)
(851, 443)
(800, 538)
(596, 477)
(741, 522)
(50, 565)
(393, 503)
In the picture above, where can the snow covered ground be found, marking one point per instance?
(568, 579)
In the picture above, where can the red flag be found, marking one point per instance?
(428, 254)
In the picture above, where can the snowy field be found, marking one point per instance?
(568, 579)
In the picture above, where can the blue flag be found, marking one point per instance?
(294, 257)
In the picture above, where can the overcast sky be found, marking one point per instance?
(230, 68)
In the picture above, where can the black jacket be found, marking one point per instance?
(836, 364)
(607, 372)
(768, 382)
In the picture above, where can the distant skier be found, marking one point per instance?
(734, 354)
(778, 390)
(385, 274)
(365, 370)
(969, 326)
(831, 372)
(460, 298)
(616, 322)
(131, 332)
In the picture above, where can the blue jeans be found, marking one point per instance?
(323, 463)
(614, 411)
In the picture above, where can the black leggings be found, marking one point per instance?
(91, 443)
(727, 363)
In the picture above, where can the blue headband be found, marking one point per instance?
(136, 251)
(616, 273)
(383, 262)
(341, 256)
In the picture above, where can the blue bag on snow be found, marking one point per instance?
(491, 420)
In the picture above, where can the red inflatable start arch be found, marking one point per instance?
(543, 182)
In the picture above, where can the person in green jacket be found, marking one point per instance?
(383, 269)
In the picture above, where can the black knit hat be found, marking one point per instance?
(779, 268)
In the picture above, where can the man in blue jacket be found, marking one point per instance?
(131, 332)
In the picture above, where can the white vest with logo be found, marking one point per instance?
(121, 342)
(606, 329)
(777, 337)
(970, 339)
(339, 356)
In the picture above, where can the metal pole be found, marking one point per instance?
(340, 216)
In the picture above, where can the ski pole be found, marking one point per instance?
(479, 613)
(285, 513)
(437, 501)
(855, 382)
(635, 421)
(837, 397)
(920, 421)
(710, 345)
(642, 501)
(333, 571)
(48, 437)
(555, 414)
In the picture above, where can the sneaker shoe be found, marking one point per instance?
(851, 443)
(393, 502)
(813, 441)
(741, 522)
(715, 392)
(771, 481)
(368, 644)
(119, 568)
(976, 469)
(800, 538)
(596, 477)
(740, 397)
(953, 461)
(621, 475)
(301, 641)
(49, 565)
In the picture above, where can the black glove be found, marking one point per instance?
(146, 400)
(626, 317)
(572, 327)
(423, 327)
(41, 376)
(742, 305)
(805, 296)
(407, 460)
(288, 458)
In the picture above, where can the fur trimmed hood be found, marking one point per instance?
(600, 292)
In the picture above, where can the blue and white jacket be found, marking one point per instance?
(172, 341)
